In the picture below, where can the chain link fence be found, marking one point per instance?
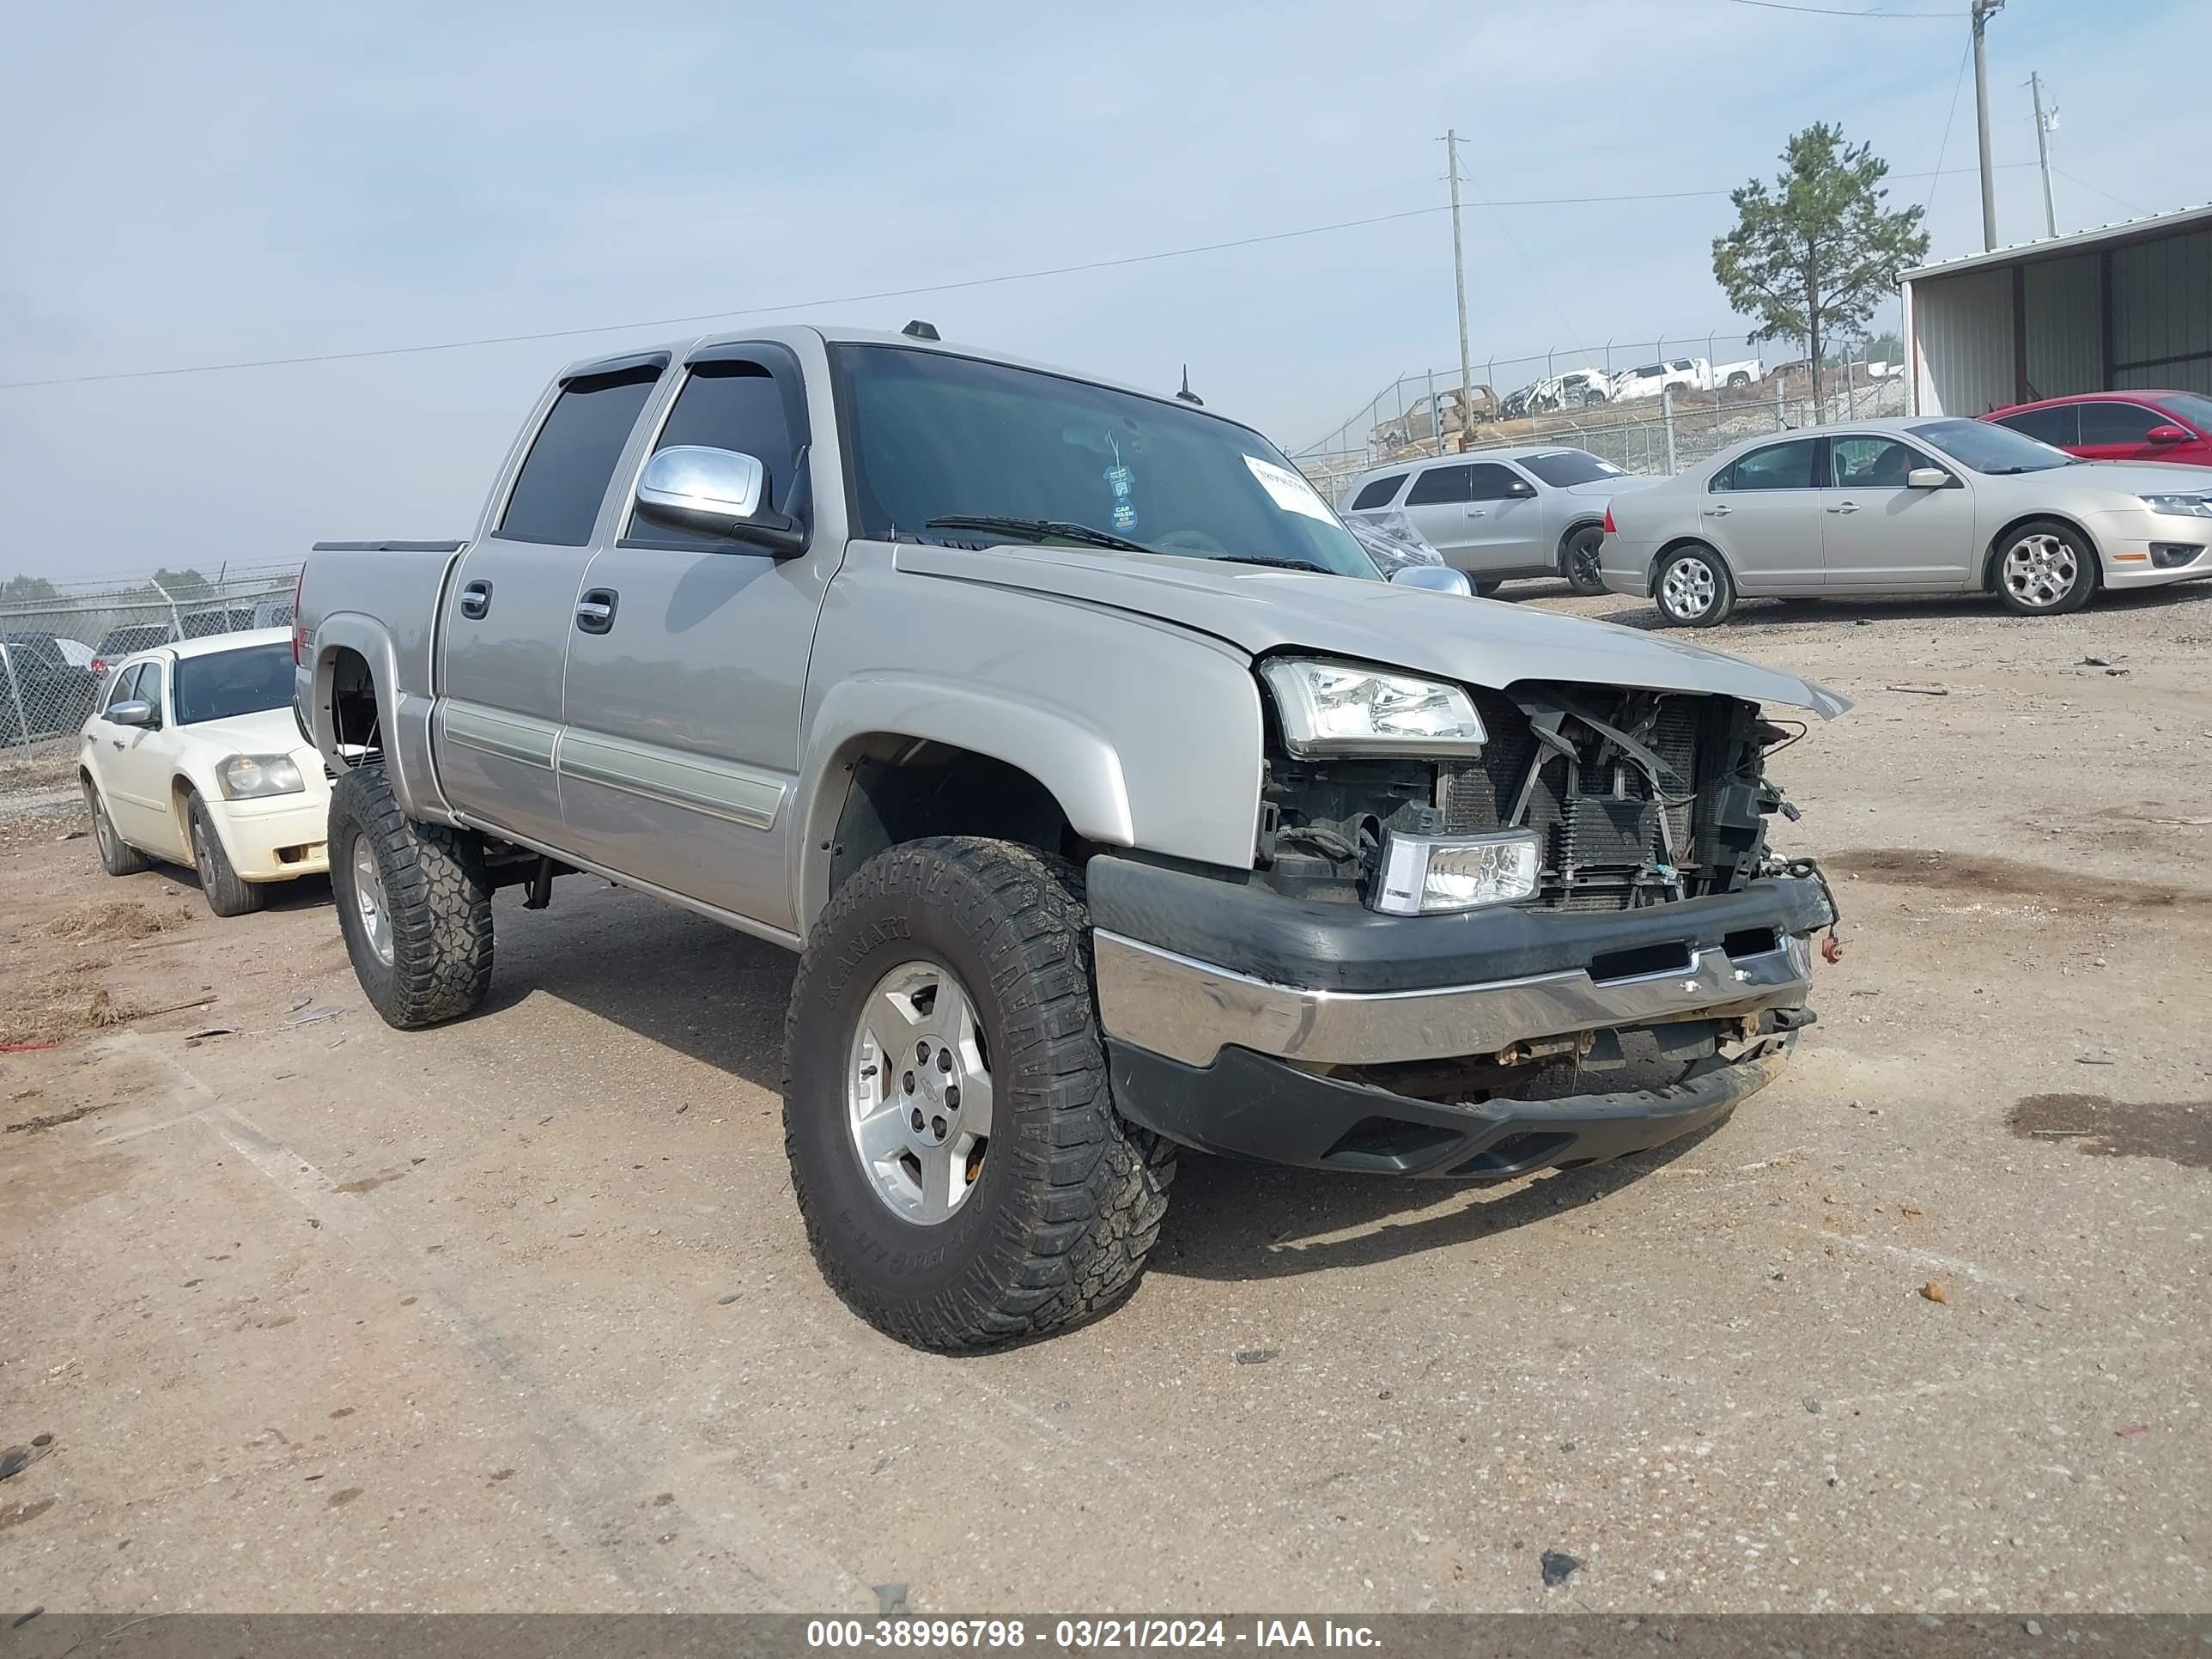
(57, 642)
(1426, 415)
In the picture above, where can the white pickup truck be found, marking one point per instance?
(1692, 374)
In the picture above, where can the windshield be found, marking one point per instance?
(1989, 448)
(1563, 469)
(934, 436)
(225, 683)
(2197, 410)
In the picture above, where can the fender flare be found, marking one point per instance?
(1077, 763)
(404, 720)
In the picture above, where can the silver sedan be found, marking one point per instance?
(1913, 505)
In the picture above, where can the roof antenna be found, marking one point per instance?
(1186, 395)
(918, 330)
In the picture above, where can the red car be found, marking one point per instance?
(2120, 426)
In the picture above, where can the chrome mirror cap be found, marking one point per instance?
(692, 483)
(1436, 578)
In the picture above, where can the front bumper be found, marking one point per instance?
(277, 837)
(1224, 1005)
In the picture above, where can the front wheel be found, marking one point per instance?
(116, 856)
(2045, 568)
(412, 903)
(954, 1148)
(1579, 560)
(227, 894)
(1695, 589)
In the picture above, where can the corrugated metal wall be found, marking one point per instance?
(2162, 309)
(1968, 351)
(1962, 327)
(2065, 327)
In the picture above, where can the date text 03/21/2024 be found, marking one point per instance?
(1084, 1634)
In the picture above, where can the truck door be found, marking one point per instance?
(510, 607)
(687, 662)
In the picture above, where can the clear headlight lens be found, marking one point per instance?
(1422, 874)
(2183, 506)
(1343, 708)
(244, 777)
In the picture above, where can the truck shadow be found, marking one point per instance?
(719, 998)
(1232, 1221)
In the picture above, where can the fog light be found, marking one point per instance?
(1425, 874)
(2171, 555)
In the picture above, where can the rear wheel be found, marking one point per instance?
(116, 856)
(412, 903)
(1693, 589)
(954, 1148)
(1579, 559)
(2045, 568)
(227, 895)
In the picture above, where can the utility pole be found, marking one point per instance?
(1981, 14)
(1459, 282)
(2043, 126)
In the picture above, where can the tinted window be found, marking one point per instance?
(1492, 483)
(2117, 423)
(1778, 467)
(2058, 427)
(1682, 365)
(932, 435)
(27, 650)
(556, 497)
(1440, 484)
(728, 406)
(126, 685)
(1871, 463)
(1990, 448)
(225, 683)
(1378, 493)
(1650, 370)
(1563, 469)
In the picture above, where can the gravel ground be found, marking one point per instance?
(518, 1313)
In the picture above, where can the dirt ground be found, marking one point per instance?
(517, 1314)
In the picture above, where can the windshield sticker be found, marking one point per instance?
(1120, 479)
(1288, 490)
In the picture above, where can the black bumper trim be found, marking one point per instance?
(1250, 930)
(1247, 1105)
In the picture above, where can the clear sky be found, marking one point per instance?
(197, 185)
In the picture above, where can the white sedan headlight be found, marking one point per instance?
(2182, 507)
(1345, 708)
(244, 777)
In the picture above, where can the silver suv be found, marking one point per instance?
(1499, 514)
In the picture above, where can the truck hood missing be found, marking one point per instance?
(1477, 641)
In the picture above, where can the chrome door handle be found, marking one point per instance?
(118, 742)
(595, 611)
(1720, 511)
(1475, 513)
(1848, 506)
(475, 600)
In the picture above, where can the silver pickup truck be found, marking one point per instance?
(1113, 800)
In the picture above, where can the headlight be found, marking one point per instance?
(2182, 507)
(244, 776)
(1422, 874)
(1342, 708)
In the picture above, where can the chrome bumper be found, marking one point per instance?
(1190, 1010)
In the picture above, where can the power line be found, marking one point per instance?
(1837, 11)
(848, 299)
(1957, 84)
(2140, 212)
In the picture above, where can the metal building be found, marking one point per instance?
(2124, 305)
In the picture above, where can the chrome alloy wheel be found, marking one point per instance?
(1689, 588)
(918, 1092)
(2039, 571)
(369, 899)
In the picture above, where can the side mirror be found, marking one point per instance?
(136, 712)
(1927, 477)
(2166, 435)
(717, 490)
(1519, 489)
(1436, 578)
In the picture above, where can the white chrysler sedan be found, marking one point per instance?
(1911, 505)
(192, 756)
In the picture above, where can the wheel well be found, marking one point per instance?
(1651, 576)
(181, 791)
(1998, 542)
(1568, 534)
(353, 702)
(903, 789)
